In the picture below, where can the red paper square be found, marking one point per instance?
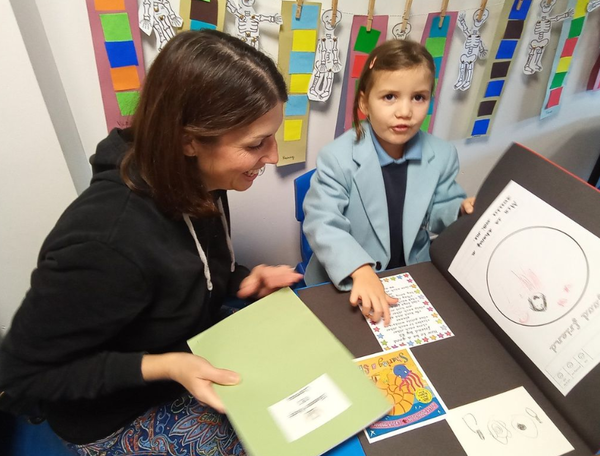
(569, 47)
(357, 66)
(554, 98)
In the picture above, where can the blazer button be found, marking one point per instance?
(378, 266)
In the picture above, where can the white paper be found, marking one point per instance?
(509, 423)
(414, 320)
(537, 273)
(309, 408)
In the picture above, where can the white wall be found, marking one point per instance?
(35, 185)
(264, 228)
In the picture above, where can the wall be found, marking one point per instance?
(35, 184)
(264, 228)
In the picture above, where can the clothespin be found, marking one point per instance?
(370, 15)
(519, 5)
(333, 12)
(481, 9)
(406, 15)
(443, 12)
(299, 4)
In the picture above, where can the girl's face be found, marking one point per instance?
(238, 156)
(397, 105)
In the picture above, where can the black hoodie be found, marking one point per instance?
(116, 278)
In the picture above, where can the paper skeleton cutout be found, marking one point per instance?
(158, 15)
(246, 20)
(398, 33)
(327, 59)
(472, 49)
(592, 5)
(542, 31)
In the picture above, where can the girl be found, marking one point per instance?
(381, 188)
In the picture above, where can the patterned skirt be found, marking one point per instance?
(181, 428)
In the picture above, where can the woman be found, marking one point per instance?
(142, 261)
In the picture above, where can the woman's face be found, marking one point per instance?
(238, 156)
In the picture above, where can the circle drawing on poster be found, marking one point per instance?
(537, 275)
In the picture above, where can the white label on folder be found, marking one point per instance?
(309, 408)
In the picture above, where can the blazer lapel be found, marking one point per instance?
(421, 181)
(369, 182)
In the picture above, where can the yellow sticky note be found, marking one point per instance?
(304, 41)
(292, 130)
(580, 9)
(563, 64)
(299, 83)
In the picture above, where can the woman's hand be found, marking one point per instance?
(467, 206)
(368, 291)
(196, 375)
(264, 280)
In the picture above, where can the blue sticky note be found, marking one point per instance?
(439, 32)
(350, 447)
(438, 66)
(506, 50)
(521, 14)
(494, 88)
(121, 53)
(480, 127)
(309, 17)
(301, 62)
(199, 25)
(296, 105)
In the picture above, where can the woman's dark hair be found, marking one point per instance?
(392, 55)
(202, 85)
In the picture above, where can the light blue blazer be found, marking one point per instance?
(346, 214)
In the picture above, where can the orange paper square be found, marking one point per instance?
(109, 5)
(125, 78)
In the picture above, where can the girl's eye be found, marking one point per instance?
(420, 97)
(389, 97)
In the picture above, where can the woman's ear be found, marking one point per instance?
(190, 146)
(362, 103)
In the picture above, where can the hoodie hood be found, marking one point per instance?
(110, 150)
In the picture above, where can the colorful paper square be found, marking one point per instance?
(557, 80)
(299, 83)
(439, 32)
(358, 65)
(304, 40)
(480, 127)
(426, 122)
(309, 17)
(521, 13)
(297, 105)
(366, 41)
(563, 64)
(125, 78)
(301, 62)
(569, 47)
(292, 130)
(109, 5)
(437, 61)
(116, 27)
(554, 97)
(576, 27)
(436, 46)
(514, 30)
(494, 88)
(199, 25)
(128, 102)
(121, 53)
(506, 50)
(580, 8)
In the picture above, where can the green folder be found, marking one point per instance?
(285, 356)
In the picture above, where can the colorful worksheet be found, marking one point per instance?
(402, 381)
(535, 272)
(508, 423)
(414, 319)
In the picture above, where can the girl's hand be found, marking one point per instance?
(264, 280)
(467, 206)
(368, 291)
(196, 375)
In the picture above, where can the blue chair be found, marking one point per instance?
(21, 438)
(301, 186)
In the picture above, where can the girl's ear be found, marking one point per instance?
(362, 103)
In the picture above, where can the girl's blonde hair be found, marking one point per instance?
(392, 55)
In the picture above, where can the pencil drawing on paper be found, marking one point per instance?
(537, 275)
